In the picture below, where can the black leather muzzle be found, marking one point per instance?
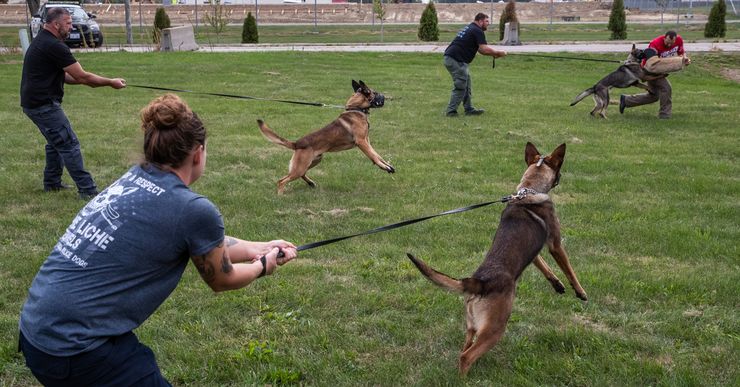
(378, 101)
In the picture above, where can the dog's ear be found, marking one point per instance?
(531, 154)
(557, 156)
(633, 47)
(355, 86)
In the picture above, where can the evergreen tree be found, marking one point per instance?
(161, 21)
(249, 30)
(618, 21)
(716, 27)
(428, 28)
(509, 15)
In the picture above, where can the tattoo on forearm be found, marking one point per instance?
(226, 266)
(231, 241)
(204, 267)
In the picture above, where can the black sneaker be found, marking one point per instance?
(451, 114)
(57, 188)
(88, 195)
(475, 112)
(622, 103)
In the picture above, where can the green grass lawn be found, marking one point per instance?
(649, 211)
(400, 33)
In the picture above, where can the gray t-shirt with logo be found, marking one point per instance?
(121, 257)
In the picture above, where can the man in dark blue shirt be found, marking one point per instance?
(458, 55)
(47, 66)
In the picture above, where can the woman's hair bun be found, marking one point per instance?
(165, 113)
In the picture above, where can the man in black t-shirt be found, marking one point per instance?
(47, 66)
(458, 55)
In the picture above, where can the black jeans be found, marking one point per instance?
(62, 148)
(120, 361)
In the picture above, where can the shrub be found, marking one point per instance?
(428, 28)
(249, 30)
(509, 15)
(618, 21)
(161, 21)
(716, 27)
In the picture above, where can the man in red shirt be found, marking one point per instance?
(665, 54)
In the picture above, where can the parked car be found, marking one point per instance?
(85, 30)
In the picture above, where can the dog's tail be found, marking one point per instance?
(583, 95)
(440, 279)
(274, 137)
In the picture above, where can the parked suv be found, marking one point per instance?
(85, 30)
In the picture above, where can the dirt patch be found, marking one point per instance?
(731, 74)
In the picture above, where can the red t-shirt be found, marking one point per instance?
(658, 44)
(663, 51)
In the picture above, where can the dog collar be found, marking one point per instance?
(524, 192)
(519, 195)
(366, 111)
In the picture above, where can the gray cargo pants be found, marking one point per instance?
(661, 91)
(461, 85)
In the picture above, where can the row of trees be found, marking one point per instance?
(429, 28)
(715, 27)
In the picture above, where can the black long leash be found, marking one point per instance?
(319, 104)
(569, 57)
(505, 199)
(561, 57)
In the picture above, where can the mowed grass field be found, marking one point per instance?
(649, 211)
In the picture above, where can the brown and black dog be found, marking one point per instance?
(350, 129)
(528, 223)
(629, 74)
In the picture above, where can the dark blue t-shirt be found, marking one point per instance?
(121, 257)
(465, 45)
(42, 80)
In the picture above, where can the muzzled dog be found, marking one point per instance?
(528, 223)
(627, 75)
(350, 129)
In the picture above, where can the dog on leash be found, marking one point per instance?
(528, 223)
(628, 74)
(351, 129)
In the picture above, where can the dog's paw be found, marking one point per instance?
(558, 286)
(582, 296)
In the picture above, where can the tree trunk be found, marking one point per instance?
(33, 6)
(129, 35)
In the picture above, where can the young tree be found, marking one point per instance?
(716, 27)
(249, 30)
(618, 21)
(217, 18)
(379, 10)
(161, 21)
(662, 5)
(428, 28)
(509, 15)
